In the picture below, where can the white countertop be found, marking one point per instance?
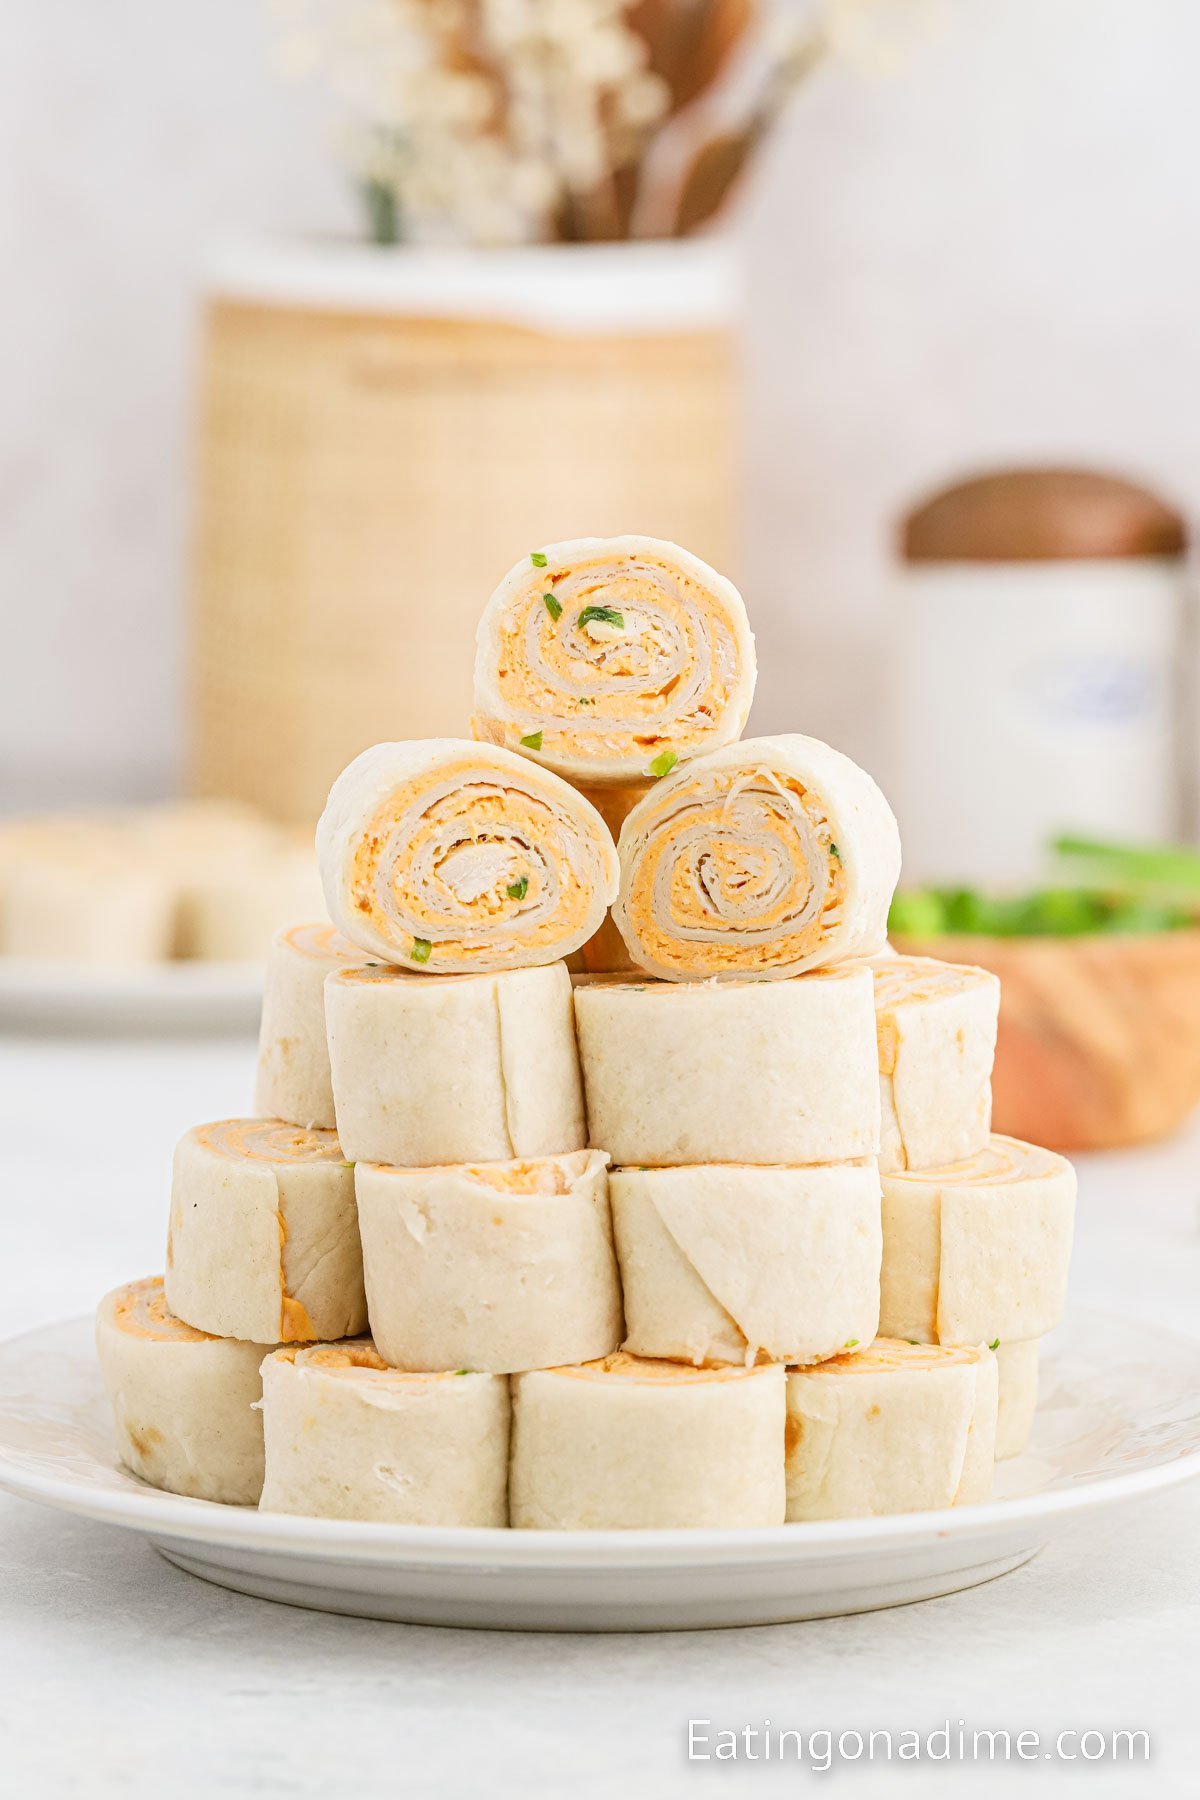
(120, 1675)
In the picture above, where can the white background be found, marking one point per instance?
(993, 255)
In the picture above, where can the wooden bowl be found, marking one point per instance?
(1099, 1041)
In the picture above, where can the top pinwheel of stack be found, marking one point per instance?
(613, 679)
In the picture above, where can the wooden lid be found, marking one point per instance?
(1039, 515)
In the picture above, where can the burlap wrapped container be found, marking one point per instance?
(382, 433)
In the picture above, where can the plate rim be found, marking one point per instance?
(190, 997)
(157, 1514)
(32, 977)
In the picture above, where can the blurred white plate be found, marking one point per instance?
(167, 997)
(1120, 1418)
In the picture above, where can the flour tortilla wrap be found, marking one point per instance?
(892, 1428)
(760, 860)
(978, 1250)
(185, 1405)
(613, 652)
(626, 1443)
(263, 1238)
(446, 856)
(293, 1081)
(1017, 1365)
(721, 1262)
(936, 1025)
(749, 1072)
(492, 1266)
(979, 1464)
(347, 1437)
(472, 1068)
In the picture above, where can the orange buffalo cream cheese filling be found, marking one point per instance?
(745, 870)
(141, 1310)
(485, 816)
(269, 1141)
(521, 1178)
(574, 676)
(321, 941)
(540, 1175)
(357, 1356)
(886, 1355)
(621, 1366)
(385, 972)
(1002, 1160)
(913, 981)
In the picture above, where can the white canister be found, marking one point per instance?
(1041, 614)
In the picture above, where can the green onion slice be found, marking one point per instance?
(601, 615)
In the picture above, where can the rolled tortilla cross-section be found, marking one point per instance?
(936, 1025)
(722, 1262)
(184, 1404)
(450, 857)
(977, 1251)
(293, 1081)
(626, 1443)
(784, 1072)
(606, 658)
(492, 1266)
(263, 1239)
(761, 860)
(893, 1428)
(472, 1068)
(347, 1437)
(1017, 1366)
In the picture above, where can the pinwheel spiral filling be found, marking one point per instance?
(465, 862)
(738, 872)
(266, 1140)
(1003, 1160)
(614, 657)
(140, 1308)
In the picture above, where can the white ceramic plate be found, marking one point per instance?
(1120, 1418)
(159, 997)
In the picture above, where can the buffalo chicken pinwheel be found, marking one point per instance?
(612, 659)
(760, 860)
(459, 858)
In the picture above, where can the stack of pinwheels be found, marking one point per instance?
(666, 1193)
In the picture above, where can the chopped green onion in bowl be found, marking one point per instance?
(1043, 912)
(1174, 867)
